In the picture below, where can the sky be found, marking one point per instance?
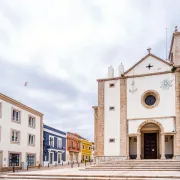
(61, 47)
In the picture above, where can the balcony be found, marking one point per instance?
(54, 148)
(73, 149)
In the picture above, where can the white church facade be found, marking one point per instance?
(138, 113)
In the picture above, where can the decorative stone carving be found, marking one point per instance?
(133, 90)
(166, 84)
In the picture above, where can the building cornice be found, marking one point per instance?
(20, 105)
(134, 76)
(162, 117)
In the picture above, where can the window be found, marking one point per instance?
(83, 147)
(111, 108)
(16, 115)
(89, 148)
(111, 85)
(0, 110)
(86, 157)
(31, 160)
(14, 159)
(112, 140)
(166, 138)
(150, 99)
(15, 138)
(31, 140)
(51, 141)
(77, 144)
(31, 121)
(71, 144)
(59, 143)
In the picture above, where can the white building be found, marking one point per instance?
(20, 134)
(138, 112)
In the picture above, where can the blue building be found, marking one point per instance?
(54, 146)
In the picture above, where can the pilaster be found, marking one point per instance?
(177, 87)
(100, 120)
(123, 117)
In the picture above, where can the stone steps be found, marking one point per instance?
(90, 177)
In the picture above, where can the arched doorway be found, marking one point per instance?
(150, 140)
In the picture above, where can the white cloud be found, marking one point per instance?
(77, 40)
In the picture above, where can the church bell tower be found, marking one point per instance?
(174, 55)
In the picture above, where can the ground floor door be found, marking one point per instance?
(150, 145)
(51, 157)
(1, 160)
(59, 158)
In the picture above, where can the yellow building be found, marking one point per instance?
(86, 150)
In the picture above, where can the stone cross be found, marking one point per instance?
(149, 50)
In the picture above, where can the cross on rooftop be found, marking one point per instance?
(149, 50)
(149, 66)
(176, 28)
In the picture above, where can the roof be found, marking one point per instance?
(53, 129)
(144, 59)
(172, 41)
(20, 105)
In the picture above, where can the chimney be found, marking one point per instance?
(121, 69)
(110, 72)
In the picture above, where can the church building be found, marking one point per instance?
(138, 112)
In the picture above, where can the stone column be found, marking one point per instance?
(123, 117)
(174, 146)
(95, 128)
(127, 147)
(163, 146)
(138, 146)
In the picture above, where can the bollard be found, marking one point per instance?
(39, 166)
(71, 165)
(85, 162)
(48, 165)
(13, 169)
(62, 163)
(27, 167)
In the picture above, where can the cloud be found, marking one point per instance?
(62, 47)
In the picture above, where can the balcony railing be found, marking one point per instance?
(55, 147)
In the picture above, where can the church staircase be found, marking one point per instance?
(137, 165)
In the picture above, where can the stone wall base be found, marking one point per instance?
(101, 159)
(177, 157)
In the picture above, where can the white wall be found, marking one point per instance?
(6, 126)
(158, 66)
(166, 106)
(112, 118)
(167, 123)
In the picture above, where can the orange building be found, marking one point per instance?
(73, 147)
